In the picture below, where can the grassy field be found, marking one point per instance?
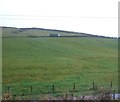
(60, 61)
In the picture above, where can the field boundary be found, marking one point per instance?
(54, 92)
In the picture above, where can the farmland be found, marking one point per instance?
(59, 60)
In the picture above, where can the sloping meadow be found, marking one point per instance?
(60, 61)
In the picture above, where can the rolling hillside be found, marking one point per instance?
(58, 60)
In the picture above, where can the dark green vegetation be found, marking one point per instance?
(59, 60)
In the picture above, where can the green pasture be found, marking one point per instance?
(61, 61)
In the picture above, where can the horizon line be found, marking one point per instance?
(54, 29)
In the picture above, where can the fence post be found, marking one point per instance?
(31, 89)
(93, 85)
(14, 97)
(53, 88)
(22, 96)
(8, 89)
(66, 96)
(74, 87)
(111, 84)
(72, 96)
(113, 94)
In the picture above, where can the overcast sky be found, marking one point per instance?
(98, 17)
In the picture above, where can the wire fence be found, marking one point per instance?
(55, 91)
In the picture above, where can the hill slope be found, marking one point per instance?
(60, 60)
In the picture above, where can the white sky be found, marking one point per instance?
(98, 17)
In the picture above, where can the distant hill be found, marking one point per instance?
(40, 32)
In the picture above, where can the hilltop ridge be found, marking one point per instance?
(39, 32)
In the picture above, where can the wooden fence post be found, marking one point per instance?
(111, 84)
(22, 96)
(8, 89)
(14, 97)
(31, 89)
(73, 87)
(66, 96)
(72, 96)
(93, 85)
(53, 88)
(113, 94)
